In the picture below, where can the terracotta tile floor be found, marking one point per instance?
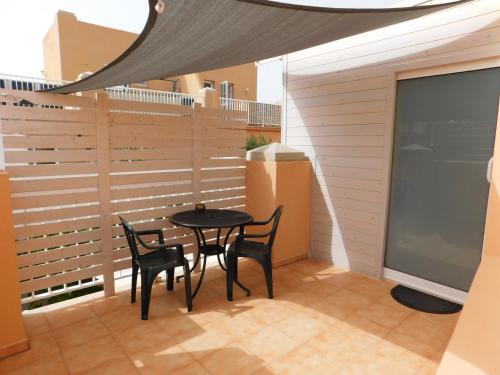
(323, 320)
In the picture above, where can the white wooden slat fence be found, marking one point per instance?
(78, 162)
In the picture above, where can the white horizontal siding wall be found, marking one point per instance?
(339, 109)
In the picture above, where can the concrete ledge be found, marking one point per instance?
(474, 347)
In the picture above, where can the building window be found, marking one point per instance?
(207, 84)
(227, 90)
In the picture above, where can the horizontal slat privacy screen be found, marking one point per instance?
(77, 162)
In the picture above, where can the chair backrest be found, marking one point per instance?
(130, 234)
(274, 229)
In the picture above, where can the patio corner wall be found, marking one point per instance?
(271, 183)
(13, 336)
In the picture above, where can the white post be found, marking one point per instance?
(197, 156)
(103, 168)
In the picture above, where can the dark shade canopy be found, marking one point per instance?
(192, 36)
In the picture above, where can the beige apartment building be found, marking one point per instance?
(72, 47)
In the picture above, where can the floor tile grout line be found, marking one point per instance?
(301, 309)
(57, 344)
(113, 337)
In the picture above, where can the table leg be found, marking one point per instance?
(200, 236)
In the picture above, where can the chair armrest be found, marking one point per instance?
(177, 246)
(254, 235)
(260, 222)
(158, 232)
(241, 237)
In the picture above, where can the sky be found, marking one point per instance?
(25, 22)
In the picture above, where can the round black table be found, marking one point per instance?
(198, 220)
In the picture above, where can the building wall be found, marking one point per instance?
(244, 78)
(339, 109)
(51, 51)
(72, 47)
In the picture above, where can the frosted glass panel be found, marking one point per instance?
(444, 136)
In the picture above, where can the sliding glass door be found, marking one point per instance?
(443, 140)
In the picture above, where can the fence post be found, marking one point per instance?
(197, 155)
(103, 170)
(197, 136)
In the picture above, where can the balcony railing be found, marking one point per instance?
(259, 114)
(13, 82)
(152, 96)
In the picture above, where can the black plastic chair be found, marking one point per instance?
(260, 251)
(162, 258)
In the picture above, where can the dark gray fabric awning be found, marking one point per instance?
(192, 36)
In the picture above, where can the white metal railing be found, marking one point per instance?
(14, 82)
(259, 114)
(152, 96)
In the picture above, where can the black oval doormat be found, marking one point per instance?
(420, 301)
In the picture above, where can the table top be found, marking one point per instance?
(210, 218)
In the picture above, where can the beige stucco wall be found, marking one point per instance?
(270, 184)
(72, 47)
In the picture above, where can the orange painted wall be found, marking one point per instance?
(12, 333)
(270, 184)
(72, 47)
(244, 78)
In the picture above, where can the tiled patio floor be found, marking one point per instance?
(323, 321)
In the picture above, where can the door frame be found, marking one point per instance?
(402, 72)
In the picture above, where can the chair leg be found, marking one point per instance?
(187, 285)
(230, 274)
(268, 273)
(170, 279)
(146, 285)
(135, 270)
(235, 274)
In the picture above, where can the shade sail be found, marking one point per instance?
(192, 36)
